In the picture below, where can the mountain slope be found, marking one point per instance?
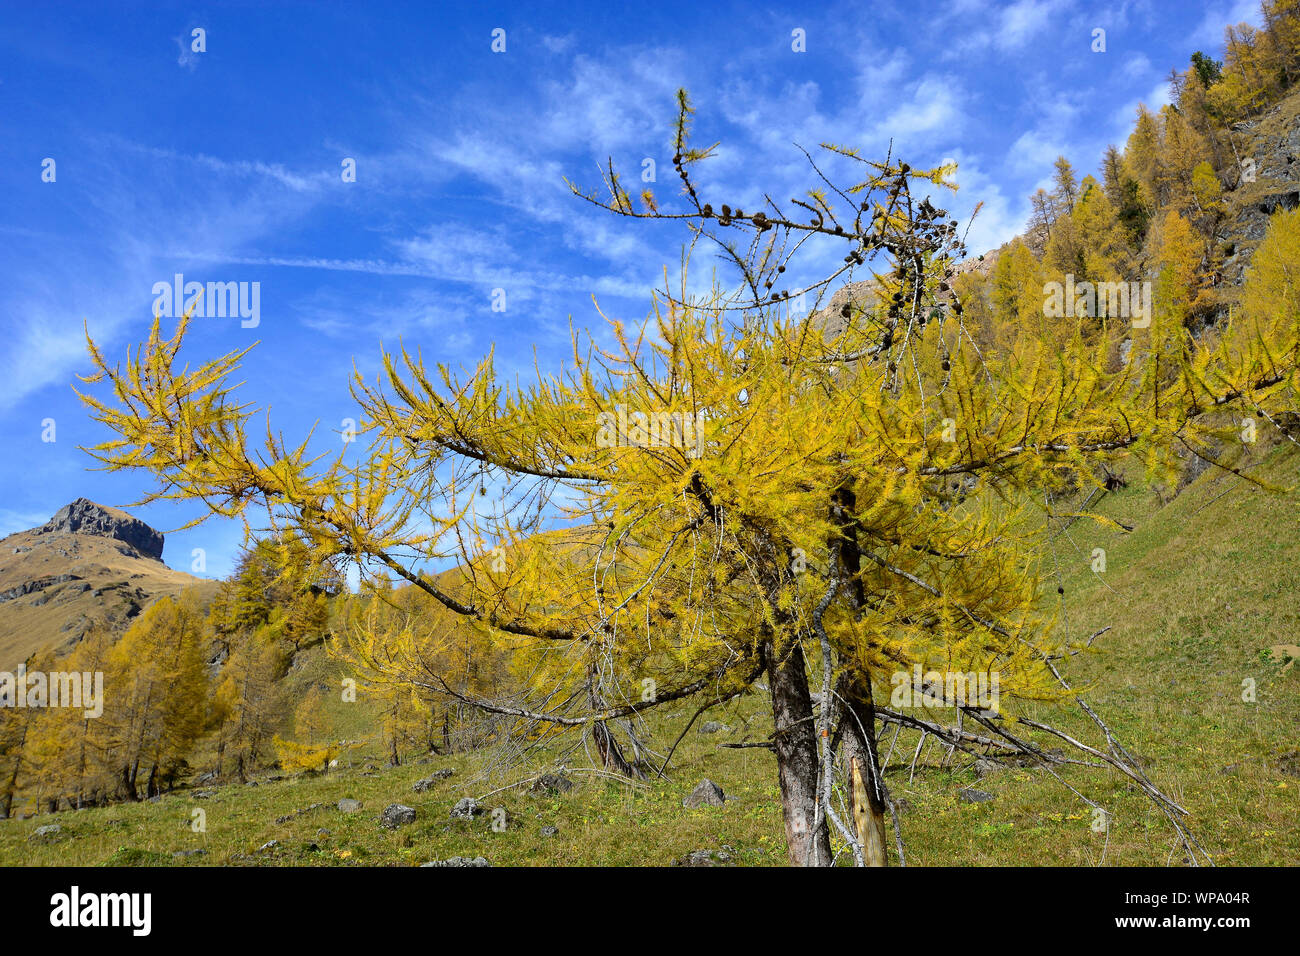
(88, 564)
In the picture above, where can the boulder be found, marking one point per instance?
(396, 815)
(348, 805)
(466, 809)
(719, 857)
(424, 784)
(551, 783)
(459, 861)
(971, 795)
(47, 834)
(706, 793)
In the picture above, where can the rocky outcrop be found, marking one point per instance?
(83, 516)
(89, 566)
(1270, 181)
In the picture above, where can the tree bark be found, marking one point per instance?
(795, 744)
(857, 730)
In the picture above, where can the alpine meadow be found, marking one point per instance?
(770, 451)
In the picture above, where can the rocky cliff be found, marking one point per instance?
(88, 565)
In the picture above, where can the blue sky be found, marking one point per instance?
(225, 165)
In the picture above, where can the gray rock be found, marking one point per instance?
(713, 727)
(47, 834)
(552, 783)
(297, 813)
(396, 815)
(424, 784)
(466, 809)
(268, 846)
(459, 861)
(706, 793)
(719, 857)
(83, 516)
(322, 833)
(550, 831)
(348, 805)
(185, 853)
(971, 795)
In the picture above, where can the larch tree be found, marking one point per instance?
(1065, 186)
(157, 683)
(730, 491)
(248, 703)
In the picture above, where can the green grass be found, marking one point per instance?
(1195, 596)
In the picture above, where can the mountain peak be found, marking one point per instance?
(84, 516)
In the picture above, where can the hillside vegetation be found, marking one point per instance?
(719, 546)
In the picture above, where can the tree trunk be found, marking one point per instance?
(611, 754)
(128, 784)
(795, 744)
(858, 744)
(856, 732)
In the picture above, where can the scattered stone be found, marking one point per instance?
(348, 805)
(550, 831)
(203, 794)
(396, 815)
(551, 783)
(268, 846)
(719, 857)
(422, 785)
(705, 793)
(466, 809)
(46, 834)
(297, 813)
(985, 767)
(459, 861)
(971, 795)
(208, 777)
(713, 727)
(185, 853)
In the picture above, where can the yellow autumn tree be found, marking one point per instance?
(726, 492)
(247, 703)
(158, 695)
(68, 748)
(311, 749)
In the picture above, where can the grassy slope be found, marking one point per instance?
(1196, 594)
